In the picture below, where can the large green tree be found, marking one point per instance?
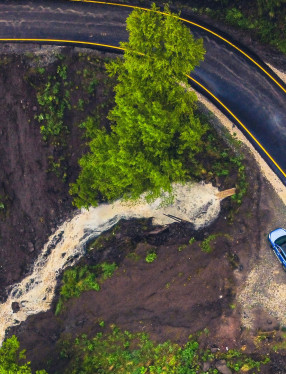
(155, 133)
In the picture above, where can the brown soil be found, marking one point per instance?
(35, 200)
(184, 290)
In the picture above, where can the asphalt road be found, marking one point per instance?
(246, 90)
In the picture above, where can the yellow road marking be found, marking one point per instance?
(58, 41)
(120, 48)
(194, 24)
(242, 125)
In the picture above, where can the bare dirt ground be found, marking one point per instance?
(184, 290)
(35, 200)
(236, 286)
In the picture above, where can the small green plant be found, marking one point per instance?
(41, 70)
(151, 256)
(101, 323)
(80, 104)
(83, 278)
(206, 243)
(182, 247)
(92, 86)
(192, 240)
(54, 100)
(12, 360)
(120, 351)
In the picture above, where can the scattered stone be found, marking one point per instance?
(15, 307)
(222, 368)
(263, 321)
(206, 366)
(34, 108)
(31, 247)
(80, 322)
(214, 349)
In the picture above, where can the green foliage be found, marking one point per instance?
(267, 20)
(123, 352)
(206, 243)
(235, 17)
(242, 185)
(54, 100)
(192, 240)
(11, 358)
(182, 247)
(83, 278)
(155, 133)
(151, 256)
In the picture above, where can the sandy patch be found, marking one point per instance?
(280, 74)
(234, 131)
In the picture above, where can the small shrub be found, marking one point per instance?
(206, 244)
(192, 240)
(151, 256)
(182, 247)
(83, 278)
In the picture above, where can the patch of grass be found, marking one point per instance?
(182, 247)
(242, 185)
(120, 351)
(280, 346)
(151, 256)
(54, 99)
(206, 243)
(192, 240)
(58, 167)
(83, 278)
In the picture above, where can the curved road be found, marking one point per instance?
(255, 99)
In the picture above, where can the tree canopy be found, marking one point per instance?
(154, 133)
(10, 358)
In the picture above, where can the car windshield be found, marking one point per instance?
(281, 242)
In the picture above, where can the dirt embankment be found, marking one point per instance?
(184, 290)
(33, 199)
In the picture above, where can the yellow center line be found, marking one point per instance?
(194, 24)
(242, 125)
(58, 41)
(123, 49)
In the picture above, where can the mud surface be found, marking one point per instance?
(34, 200)
(184, 290)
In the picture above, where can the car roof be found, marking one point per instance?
(275, 234)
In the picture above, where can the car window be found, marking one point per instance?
(281, 241)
